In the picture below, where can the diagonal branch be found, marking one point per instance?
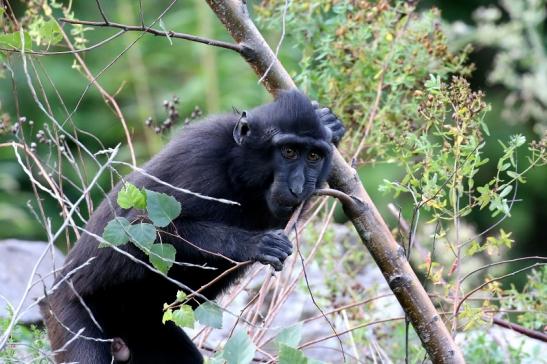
(370, 226)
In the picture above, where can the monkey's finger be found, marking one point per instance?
(315, 104)
(282, 244)
(271, 260)
(279, 236)
(279, 247)
(323, 112)
(334, 124)
(329, 119)
(338, 129)
(275, 252)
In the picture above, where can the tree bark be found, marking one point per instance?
(372, 229)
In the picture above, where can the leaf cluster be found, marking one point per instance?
(160, 208)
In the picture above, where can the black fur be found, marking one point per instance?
(229, 156)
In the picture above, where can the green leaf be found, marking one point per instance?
(115, 232)
(485, 127)
(130, 196)
(239, 348)
(162, 256)
(181, 296)
(513, 174)
(288, 355)
(506, 191)
(167, 316)
(290, 336)
(505, 238)
(49, 32)
(474, 248)
(209, 314)
(184, 317)
(161, 208)
(517, 140)
(13, 40)
(143, 235)
(434, 83)
(485, 196)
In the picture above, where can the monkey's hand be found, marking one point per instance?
(272, 248)
(330, 121)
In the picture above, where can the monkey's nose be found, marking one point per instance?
(296, 189)
(296, 182)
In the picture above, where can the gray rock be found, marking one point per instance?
(17, 259)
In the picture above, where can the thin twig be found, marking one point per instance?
(217, 278)
(458, 306)
(85, 306)
(315, 341)
(303, 262)
(102, 12)
(283, 18)
(501, 262)
(110, 100)
(58, 53)
(179, 189)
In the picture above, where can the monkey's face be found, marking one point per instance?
(291, 138)
(300, 166)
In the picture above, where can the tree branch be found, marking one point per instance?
(520, 329)
(370, 226)
(157, 32)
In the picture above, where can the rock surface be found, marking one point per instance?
(17, 260)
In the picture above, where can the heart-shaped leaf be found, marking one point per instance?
(184, 317)
(143, 235)
(115, 232)
(161, 208)
(209, 314)
(162, 256)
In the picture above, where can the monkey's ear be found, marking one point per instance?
(241, 130)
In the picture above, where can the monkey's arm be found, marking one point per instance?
(203, 241)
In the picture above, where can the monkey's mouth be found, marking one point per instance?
(287, 209)
(281, 203)
(282, 211)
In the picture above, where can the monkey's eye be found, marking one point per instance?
(314, 157)
(288, 152)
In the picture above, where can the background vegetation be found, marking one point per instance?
(463, 169)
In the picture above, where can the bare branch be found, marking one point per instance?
(520, 329)
(157, 32)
